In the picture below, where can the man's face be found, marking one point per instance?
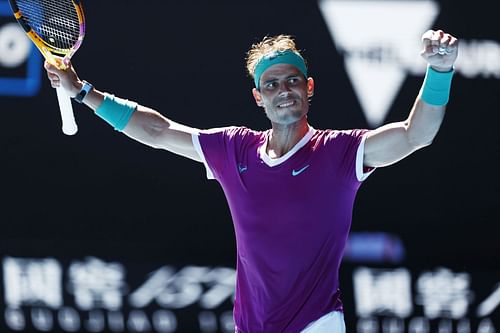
(284, 94)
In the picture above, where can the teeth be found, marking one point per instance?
(284, 105)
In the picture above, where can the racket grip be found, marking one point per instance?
(67, 116)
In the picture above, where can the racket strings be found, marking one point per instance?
(55, 21)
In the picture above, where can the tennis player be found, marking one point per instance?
(291, 188)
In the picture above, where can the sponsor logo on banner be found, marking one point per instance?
(380, 42)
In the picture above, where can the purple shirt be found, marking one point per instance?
(291, 217)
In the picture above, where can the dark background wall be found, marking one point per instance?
(100, 194)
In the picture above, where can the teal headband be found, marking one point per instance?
(278, 57)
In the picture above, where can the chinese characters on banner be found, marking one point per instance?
(95, 296)
(440, 300)
(91, 295)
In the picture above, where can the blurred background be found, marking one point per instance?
(103, 234)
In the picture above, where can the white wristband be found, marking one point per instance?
(86, 88)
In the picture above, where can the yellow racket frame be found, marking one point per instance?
(53, 55)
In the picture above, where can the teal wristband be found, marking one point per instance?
(436, 87)
(116, 111)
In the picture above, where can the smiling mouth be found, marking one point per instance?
(286, 104)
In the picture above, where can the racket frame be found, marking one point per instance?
(54, 55)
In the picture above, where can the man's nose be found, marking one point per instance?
(284, 88)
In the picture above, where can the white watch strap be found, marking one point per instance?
(83, 92)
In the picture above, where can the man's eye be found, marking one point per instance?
(293, 80)
(271, 85)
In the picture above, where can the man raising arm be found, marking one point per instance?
(136, 121)
(392, 142)
(291, 188)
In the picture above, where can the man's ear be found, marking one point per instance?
(310, 87)
(257, 97)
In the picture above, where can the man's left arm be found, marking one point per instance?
(391, 143)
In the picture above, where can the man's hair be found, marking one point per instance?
(268, 45)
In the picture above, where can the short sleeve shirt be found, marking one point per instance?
(291, 218)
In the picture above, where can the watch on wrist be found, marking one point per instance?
(83, 92)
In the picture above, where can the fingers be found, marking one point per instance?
(438, 42)
(49, 67)
(440, 50)
(61, 77)
(53, 73)
(452, 45)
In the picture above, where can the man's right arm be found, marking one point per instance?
(145, 125)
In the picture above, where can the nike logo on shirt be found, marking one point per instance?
(298, 172)
(242, 168)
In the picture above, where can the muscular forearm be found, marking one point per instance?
(150, 127)
(423, 123)
(144, 124)
(392, 142)
(428, 110)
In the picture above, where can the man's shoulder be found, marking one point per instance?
(338, 137)
(235, 134)
(339, 133)
(234, 130)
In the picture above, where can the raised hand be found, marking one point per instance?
(440, 49)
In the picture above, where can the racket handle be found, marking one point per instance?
(68, 118)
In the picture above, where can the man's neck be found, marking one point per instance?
(284, 137)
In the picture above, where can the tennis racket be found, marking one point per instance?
(57, 28)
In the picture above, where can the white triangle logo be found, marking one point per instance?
(380, 42)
